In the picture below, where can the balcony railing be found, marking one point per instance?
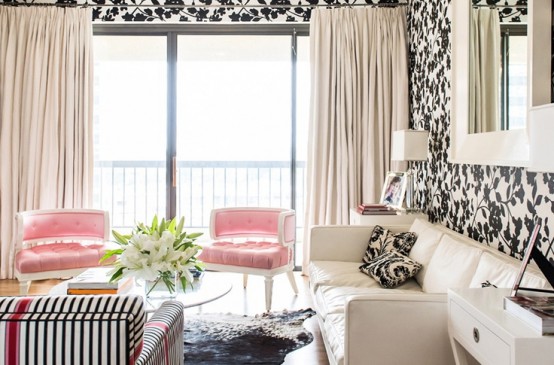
(136, 190)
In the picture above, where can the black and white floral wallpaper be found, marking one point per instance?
(495, 205)
(204, 11)
(510, 11)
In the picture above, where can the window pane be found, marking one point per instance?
(517, 76)
(233, 123)
(130, 121)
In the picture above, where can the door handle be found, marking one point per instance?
(174, 172)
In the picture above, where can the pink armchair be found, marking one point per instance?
(252, 241)
(58, 243)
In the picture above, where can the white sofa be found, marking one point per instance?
(363, 323)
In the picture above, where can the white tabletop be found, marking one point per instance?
(209, 288)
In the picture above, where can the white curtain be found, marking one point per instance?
(485, 71)
(45, 114)
(359, 96)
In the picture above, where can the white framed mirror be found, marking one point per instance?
(502, 148)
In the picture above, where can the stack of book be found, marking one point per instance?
(536, 311)
(97, 281)
(376, 209)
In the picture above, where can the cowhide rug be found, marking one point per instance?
(227, 339)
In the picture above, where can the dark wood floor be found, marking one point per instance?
(249, 301)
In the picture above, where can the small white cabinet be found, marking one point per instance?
(481, 332)
(400, 219)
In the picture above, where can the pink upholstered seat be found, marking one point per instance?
(58, 256)
(58, 243)
(261, 255)
(262, 240)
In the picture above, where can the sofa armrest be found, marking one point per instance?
(342, 243)
(397, 329)
(163, 336)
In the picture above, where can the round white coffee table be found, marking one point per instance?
(207, 289)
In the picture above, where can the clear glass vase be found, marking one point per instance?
(159, 287)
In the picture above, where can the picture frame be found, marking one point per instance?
(526, 259)
(394, 189)
(533, 253)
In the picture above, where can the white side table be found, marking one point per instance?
(480, 329)
(402, 218)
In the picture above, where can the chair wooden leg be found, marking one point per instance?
(244, 280)
(292, 281)
(24, 287)
(268, 292)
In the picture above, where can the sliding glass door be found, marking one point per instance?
(233, 123)
(188, 121)
(130, 127)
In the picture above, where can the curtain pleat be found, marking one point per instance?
(359, 76)
(45, 114)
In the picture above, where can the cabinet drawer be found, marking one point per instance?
(479, 339)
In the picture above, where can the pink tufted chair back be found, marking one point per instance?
(62, 224)
(276, 223)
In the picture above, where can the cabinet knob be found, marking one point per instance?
(475, 334)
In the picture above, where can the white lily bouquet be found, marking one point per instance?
(155, 253)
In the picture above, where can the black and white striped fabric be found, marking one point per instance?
(88, 329)
(163, 336)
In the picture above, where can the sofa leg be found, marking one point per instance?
(268, 292)
(292, 281)
(244, 280)
(24, 287)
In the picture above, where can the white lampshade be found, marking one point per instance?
(541, 138)
(409, 145)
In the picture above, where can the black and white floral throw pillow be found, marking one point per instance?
(382, 241)
(391, 269)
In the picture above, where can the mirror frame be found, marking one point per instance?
(502, 148)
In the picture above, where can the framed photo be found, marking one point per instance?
(533, 253)
(526, 259)
(394, 189)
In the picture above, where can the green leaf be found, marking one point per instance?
(184, 283)
(109, 253)
(168, 281)
(194, 236)
(141, 228)
(154, 225)
(171, 226)
(117, 275)
(180, 226)
(162, 227)
(177, 242)
(121, 238)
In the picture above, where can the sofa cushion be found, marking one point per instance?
(452, 266)
(428, 237)
(391, 269)
(502, 273)
(334, 335)
(338, 273)
(382, 240)
(331, 299)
